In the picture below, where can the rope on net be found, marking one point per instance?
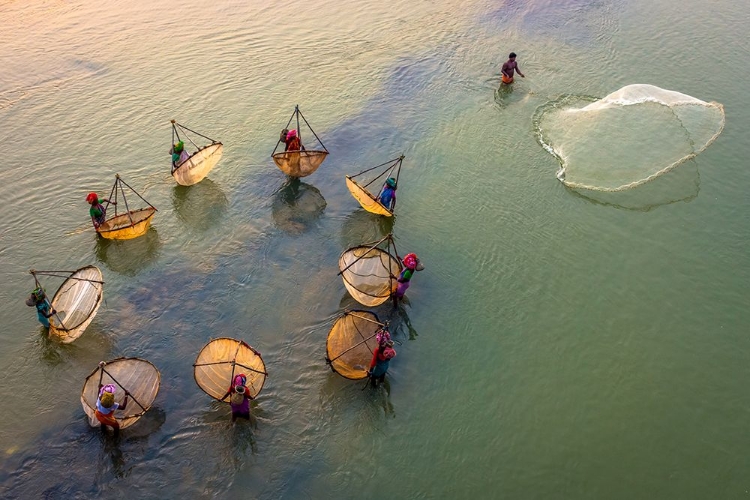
(296, 114)
(114, 193)
(123, 388)
(395, 164)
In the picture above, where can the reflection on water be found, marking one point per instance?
(129, 257)
(362, 226)
(94, 343)
(680, 184)
(201, 206)
(297, 206)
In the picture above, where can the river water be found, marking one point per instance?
(558, 345)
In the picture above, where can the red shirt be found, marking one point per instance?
(293, 144)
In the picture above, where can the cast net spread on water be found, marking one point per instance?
(351, 342)
(370, 271)
(627, 138)
(75, 302)
(190, 168)
(362, 189)
(298, 161)
(223, 358)
(130, 223)
(137, 376)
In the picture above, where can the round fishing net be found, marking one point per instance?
(351, 342)
(223, 358)
(369, 274)
(137, 376)
(627, 138)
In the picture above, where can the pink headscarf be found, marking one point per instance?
(107, 388)
(383, 337)
(291, 134)
(240, 379)
(411, 261)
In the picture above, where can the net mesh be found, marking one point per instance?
(128, 225)
(198, 165)
(76, 302)
(369, 274)
(627, 138)
(368, 201)
(299, 163)
(351, 343)
(138, 376)
(220, 360)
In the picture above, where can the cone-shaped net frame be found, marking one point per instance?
(369, 274)
(351, 342)
(138, 376)
(76, 302)
(223, 358)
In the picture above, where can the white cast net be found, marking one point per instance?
(627, 138)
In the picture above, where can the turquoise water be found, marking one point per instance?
(558, 345)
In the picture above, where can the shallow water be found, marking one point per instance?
(560, 344)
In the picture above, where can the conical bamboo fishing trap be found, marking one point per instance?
(130, 224)
(199, 163)
(221, 360)
(75, 302)
(362, 191)
(303, 162)
(351, 342)
(137, 376)
(370, 271)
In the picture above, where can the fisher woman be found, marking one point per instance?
(179, 153)
(239, 399)
(388, 196)
(97, 211)
(106, 406)
(44, 311)
(292, 141)
(381, 357)
(411, 264)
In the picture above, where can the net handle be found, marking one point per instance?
(123, 388)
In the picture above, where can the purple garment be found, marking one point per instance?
(401, 290)
(242, 408)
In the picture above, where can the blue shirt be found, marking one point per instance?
(388, 197)
(42, 312)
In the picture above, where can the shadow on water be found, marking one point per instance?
(297, 206)
(543, 19)
(129, 257)
(362, 226)
(506, 95)
(200, 206)
(90, 348)
(79, 461)
(679, 185)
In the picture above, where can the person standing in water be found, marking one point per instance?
(97, 211)
(106, 407)
(239, 399)
(508, 67)
(381, 357)
(388, 196)
(411, 265)
(292, 141)
(44, 311)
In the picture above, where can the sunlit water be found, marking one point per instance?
(560, 344)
